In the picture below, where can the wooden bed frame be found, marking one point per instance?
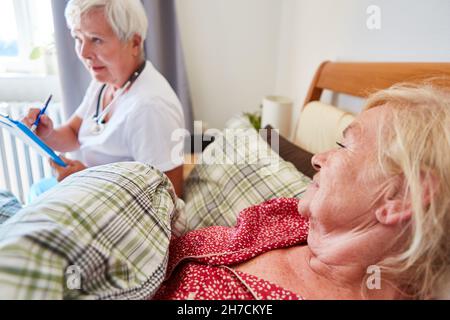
(360, 79)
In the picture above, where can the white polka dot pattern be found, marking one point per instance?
(198, 261)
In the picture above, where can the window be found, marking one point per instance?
(9, 45)
(25, 25)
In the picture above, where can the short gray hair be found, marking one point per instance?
(126, 17)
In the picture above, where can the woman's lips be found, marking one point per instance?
(97, 69)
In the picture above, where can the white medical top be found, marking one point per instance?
(140, 126)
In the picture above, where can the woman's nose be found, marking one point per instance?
(318, 161)
(85, 51)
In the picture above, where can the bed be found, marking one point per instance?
(106, 230)
(319, 124)
(357, 79)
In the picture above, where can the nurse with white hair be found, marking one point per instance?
(129, 111)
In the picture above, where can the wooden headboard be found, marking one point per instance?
(319, 127)
(363, 78)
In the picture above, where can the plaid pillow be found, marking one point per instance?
(9, 205)
(101, 234)
(239, 170)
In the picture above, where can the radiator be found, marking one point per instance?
(21, 166)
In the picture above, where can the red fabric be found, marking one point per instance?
(200, 263)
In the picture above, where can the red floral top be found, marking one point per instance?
(200, 263)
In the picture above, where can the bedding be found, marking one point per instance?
(200, 269)
(290, 152)
(109, 226)
(9, 205)
(239, 170)
(320, 126)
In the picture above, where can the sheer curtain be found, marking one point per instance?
(163, 49)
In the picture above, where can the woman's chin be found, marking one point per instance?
(303, 208)
(99, 74)
(305, 202)
(99, 77)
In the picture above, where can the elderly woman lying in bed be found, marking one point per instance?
(374, 224)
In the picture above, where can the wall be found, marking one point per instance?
(315, 31)
(231, 49)
(237, 51)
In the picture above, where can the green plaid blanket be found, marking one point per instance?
(101, 234)
(239, 170)
(9, 205)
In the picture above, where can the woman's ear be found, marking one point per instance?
(136, 43)
(394, 212)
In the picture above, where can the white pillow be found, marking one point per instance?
(321, 126)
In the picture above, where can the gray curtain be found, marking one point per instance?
(73, 76)
(163, 49)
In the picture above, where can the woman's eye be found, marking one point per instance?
(340, 145)
(97, 40)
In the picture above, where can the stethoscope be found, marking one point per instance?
(99, 117)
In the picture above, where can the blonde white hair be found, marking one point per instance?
(415, 143)
(126, 17)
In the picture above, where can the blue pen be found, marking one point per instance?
(36, 123)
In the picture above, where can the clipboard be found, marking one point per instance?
(19, 130)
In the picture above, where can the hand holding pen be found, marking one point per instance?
(38, 121)
(42, 112)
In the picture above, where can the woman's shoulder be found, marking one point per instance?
(152, 89)
(153, 110)
(270, 225)
(258, 223)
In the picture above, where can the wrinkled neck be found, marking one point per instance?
(122, 81)
(347, 260)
